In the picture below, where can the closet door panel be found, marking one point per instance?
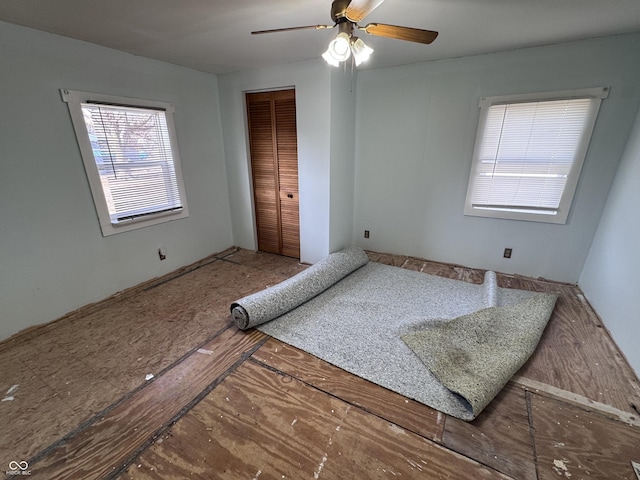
(274, 164)
(287, 148)
(261, 142)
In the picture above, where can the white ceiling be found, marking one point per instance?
(214, 35)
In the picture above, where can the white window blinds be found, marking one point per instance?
(526, 154)
(130, 155)
(132, 151)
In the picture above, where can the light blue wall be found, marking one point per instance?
(415, 133)
(610, 278)
(53, 258)
(412, 130)
(311, 81)
(325, 108)
(342, 166)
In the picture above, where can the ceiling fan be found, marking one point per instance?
(346, 14)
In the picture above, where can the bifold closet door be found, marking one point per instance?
(274, 164)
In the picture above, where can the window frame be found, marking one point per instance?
(74, 100)
(596, 95)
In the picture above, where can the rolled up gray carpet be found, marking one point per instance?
(490, 285)
(476, 354)
(279, 299)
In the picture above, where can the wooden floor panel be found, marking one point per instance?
(75, 402)
(576, 444)
(84, 364)
(267, 262)
(261, 424)
(577, 355)
(100, 449)
(500, 437)
(33, 414)
(392, 406)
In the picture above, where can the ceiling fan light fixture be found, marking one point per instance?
(361, 51)
(339, 49)
(329, 59)
(346, 14)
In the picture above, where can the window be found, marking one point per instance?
(131, 159)
(529, 152)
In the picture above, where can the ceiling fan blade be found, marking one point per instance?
(358, 9)
(401, 33)
(315, 27)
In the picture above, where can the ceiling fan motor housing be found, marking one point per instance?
(339, 10)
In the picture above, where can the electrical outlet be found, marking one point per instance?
(366, 234)
(507, 252)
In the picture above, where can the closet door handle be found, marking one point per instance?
(290, 195)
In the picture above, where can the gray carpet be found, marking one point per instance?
(475, 355)
(357, 325)
(268, 304)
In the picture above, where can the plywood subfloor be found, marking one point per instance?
(229, 404)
